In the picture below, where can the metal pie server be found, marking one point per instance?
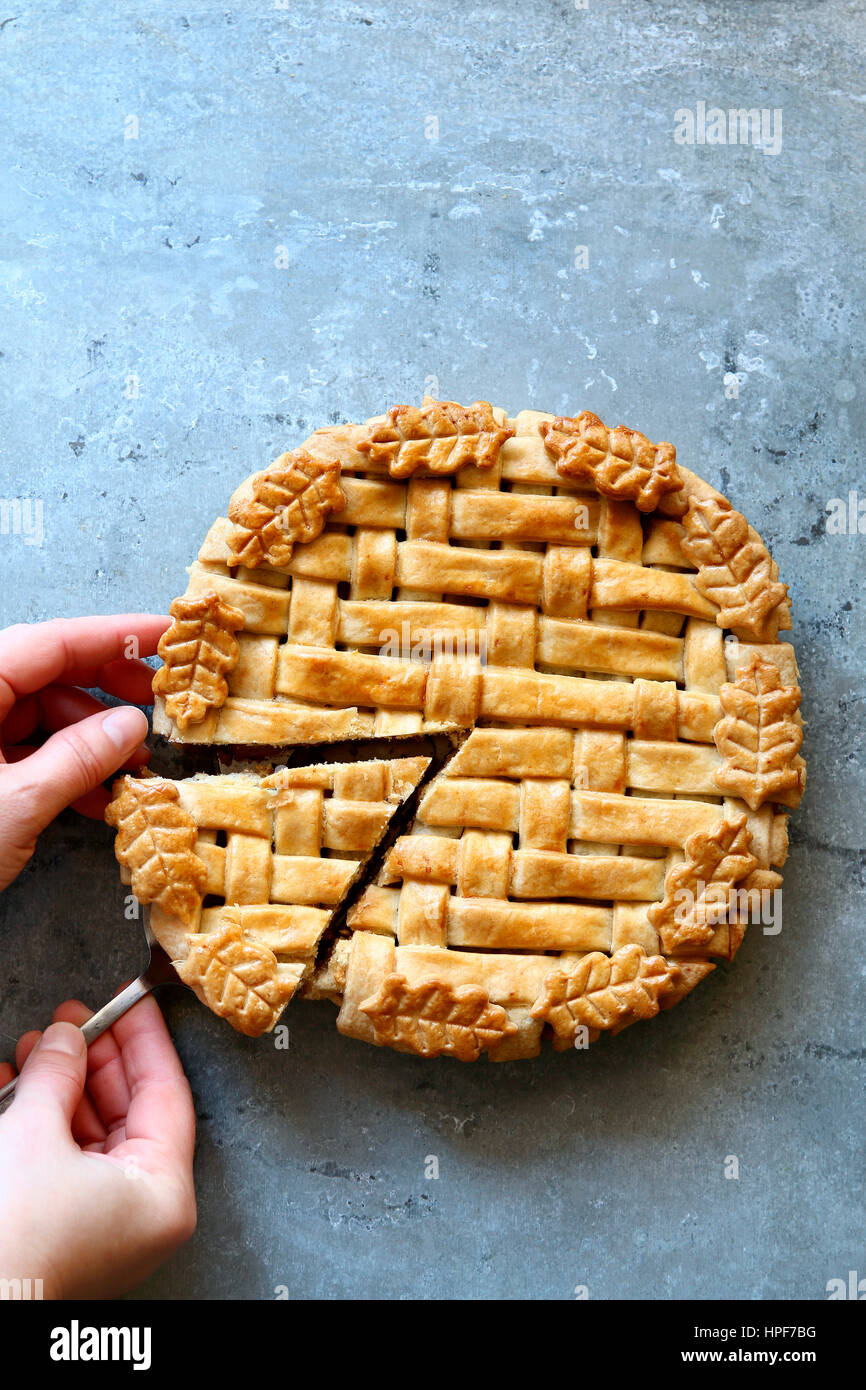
(159, 971)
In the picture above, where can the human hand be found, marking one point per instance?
(96, 1184)
(42, 666)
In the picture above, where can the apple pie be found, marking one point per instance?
(601, 633)
(243, 870)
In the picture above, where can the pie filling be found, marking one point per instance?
(601, 631)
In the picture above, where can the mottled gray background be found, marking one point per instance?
(408, 259)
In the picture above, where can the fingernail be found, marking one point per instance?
(64, 1037)
(125, 727)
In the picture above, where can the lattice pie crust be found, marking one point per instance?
(244, 871)
(604, 624)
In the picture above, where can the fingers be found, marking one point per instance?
(94, 804)
(51, 1083)
(22, 720)
(88, 1131)
(53, 708)
(106, 1078)
(161, 1105)
(25, 1046)
(115, 1140)
(129, 680)
(72, 763)
(86, 1127)
(38, 654)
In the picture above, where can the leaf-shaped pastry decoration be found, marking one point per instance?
(435, 1019)
(605, 991)
(735, 570)
(437, 438)
(620, 463)
(700, 892)
(759, 737)
(283, 506)
(198, 649)
(156, 841)
(237, 977)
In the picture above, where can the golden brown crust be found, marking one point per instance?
(760, 738)
(156, 843)
(283, 506)
(605, 992)
(690, 973)
(293, 842)
(474, 579)
(238, 978)
(436, 439)
(620, 463)
(699, 892)
(735, 570)
(199, 649)
(433, 1019)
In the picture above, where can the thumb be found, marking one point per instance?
(52, 1079)
(70, 764)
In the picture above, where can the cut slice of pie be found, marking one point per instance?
(243, 871)
(607, 628)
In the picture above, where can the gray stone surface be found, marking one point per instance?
(409, 259)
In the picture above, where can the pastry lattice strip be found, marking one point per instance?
(281, 851)
(516, 983)
(591, 667)
(497, 847)
(466, 884)
(315, 659)
(504, 860)
(409, 564)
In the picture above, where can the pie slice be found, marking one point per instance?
(243, 871)
(605, 627)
